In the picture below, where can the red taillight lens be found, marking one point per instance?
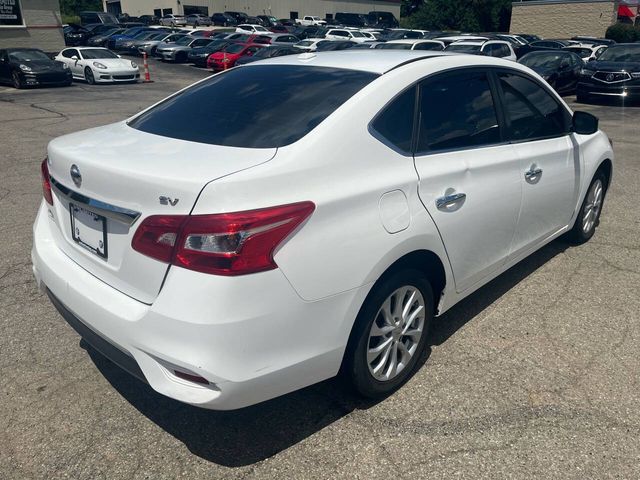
(46, 182)
(222, 244)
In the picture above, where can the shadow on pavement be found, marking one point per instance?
(244, 437)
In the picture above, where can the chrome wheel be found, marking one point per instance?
(591, 210)
(395, 333)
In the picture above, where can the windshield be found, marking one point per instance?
(547, 60)
(235, 48)
(621, 53)
(186, 40)
(95, 53)
(265, 106)
(583, 52)
(455, 47)
(28, 56)
(394, 46)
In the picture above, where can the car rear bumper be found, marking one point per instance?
(251, 337)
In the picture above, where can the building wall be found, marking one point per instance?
(42, 28)
(277, 8)
(563, 18)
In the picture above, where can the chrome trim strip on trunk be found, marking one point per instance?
(119, 214)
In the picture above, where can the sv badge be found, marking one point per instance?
(168, 201)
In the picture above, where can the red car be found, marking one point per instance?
(227, 59)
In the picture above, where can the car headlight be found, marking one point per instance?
(134, 64)
(99, 65)
(585, 72)
(25, 68)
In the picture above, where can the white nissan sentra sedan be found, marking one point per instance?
(282, 222)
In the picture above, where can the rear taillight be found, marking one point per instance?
(221, 244)
(46, 182)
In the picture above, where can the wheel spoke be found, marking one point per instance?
(393, 363)
(374, 352)
(416, 314)
(409, 303)
(416, 332)
(378, 331)
(383, 359)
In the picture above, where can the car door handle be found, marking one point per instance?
(533, 173)
(447, 201)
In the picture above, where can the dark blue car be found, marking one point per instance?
(114, 41)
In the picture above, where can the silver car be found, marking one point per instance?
(150, 46)
(179, 50)
(171, 20)
(198, 19)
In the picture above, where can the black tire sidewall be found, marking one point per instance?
(355, 365)
(577, 234)
(15, 80)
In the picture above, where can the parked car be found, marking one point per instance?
(491, 48)
(98, 65)
(403, 34)
(223, 20)
(268, 52)
(309, 20)
(411, 45)
(131, 46)
(30, 67)
(102, 39)
(616, 73)
(309, 44)
(179, 50)
(529, 37)
(587, 51)
(197, 19)
(199, 55)
(149, 19)
(283, 39)
(150, 46)
(115, 41)
(268, 21)
(248, 38)
(172, 20)
(352, 19)
(231, 54)
(551, 44)
(97, 17)
(252, 28)
(383, 19)
(345, 34)
(594, 40)
(239, 17)
(236, 189)
(75, 35)
(281, 29)
(560, 68)
(330, 45)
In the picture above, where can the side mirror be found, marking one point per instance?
(584, 123)
(119, 56)
(75, 57)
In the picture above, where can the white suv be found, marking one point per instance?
(227, 261)
(491, 48)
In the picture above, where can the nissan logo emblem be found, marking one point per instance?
(75, 175)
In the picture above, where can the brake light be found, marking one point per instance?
(46, 182)
(222, 244)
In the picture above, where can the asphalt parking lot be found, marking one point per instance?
(535, 375)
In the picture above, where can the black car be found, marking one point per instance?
(239, 17)
(149, 19)
(268, 20)
(329, 45)
(223, 20)
(616, 73)
(198, 56)
(101, 39)
(383, 19)
(561, 69)
(75, 35)
(30, 67)
(268, 52)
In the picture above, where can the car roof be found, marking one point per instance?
(412, 41)
(368, 60)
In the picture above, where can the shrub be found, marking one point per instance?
(623, 33)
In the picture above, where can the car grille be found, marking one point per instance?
(612, 77)
(123, 77)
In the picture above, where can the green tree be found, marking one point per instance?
(466, 15)
(73, 7)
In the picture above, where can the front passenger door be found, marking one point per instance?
(469, 178)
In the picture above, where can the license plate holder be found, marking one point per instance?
(89, 230)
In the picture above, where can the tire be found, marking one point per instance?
(88, 76)
(16, 80)
(588, 217)
(368, 366)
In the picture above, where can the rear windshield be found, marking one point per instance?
(263, 106)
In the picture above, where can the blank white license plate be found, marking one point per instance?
(89, 230)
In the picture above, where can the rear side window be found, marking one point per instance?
(457, 111)
(263, 106)
(531, 112)
(395, 123)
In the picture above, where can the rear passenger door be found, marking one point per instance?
(538, 126)
(469, 176)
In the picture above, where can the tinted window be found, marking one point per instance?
(457, 111)
(259, 107)
(395, 123)
(531, 111)
(428, 46)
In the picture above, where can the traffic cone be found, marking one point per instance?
(147, 77)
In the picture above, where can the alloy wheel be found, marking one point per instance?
(395, 333)
(17, 83)
(88, 75)
(591, 211)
